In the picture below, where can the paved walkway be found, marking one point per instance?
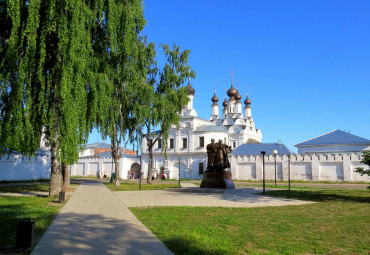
(95, 221)
(195, 196)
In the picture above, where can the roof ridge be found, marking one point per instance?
(317, 137)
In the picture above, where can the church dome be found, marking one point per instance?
(215, 99)
(237, 96)
(224, 104)
(231, 92)
(191, 90)
(247, 102)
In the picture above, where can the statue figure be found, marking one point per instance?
(218, 156)
(211, 153)
(216, 176)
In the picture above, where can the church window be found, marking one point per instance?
(234, 144)
(201, 141)
(171, 143)
(184, 143)
(200, 168)
(159, 143)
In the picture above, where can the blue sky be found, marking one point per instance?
(306, 63)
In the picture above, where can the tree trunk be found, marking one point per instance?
(55, 175)
(116, 159)
(66, 176)
(149, 177)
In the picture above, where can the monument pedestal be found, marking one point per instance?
(220, 180)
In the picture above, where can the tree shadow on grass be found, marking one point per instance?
(323, 195)
(183, 246)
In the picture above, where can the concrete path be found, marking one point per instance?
(195, 196)
(95, 221)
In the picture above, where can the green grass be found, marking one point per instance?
(25, 188)
(337, 223)
(84, 177)
(13, 209)
(26, 181)
(130, 186)
(28, 188)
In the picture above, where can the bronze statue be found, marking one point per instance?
(218, 156)
(211, 152)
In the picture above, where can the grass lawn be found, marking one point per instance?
(130, 186)
(30, 188)
(42, 210)
(337, 224)
(13, 209)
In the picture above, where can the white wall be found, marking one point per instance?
(318, 167)
(90, 166)
(18, 167)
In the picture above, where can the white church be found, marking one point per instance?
(187, 145)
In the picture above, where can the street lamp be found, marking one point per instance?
(179, 174)
(289, 171)
(275, 153)
(263, 160)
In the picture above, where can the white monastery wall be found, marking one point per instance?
(333, 167)
(18, 167)
(317, 167)
(92, 165)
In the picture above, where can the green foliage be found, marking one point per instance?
(119, 73)
(162, 109)
(46, 52)
(366, 161)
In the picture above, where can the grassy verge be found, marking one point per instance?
(131, 186)
(30, 188)
(26, 181)
(337, 223)
(13, 209)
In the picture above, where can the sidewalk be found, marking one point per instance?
(95, 221)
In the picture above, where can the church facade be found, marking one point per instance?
(186, 150)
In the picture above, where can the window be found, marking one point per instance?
(200, 168)
(159, 143)
(234, 144)
(201, 141)
(184, 143)
(171, 143)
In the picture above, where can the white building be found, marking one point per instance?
(187, 145)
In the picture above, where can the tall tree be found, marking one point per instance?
(117, 50)
(169, 98)
(45, 54)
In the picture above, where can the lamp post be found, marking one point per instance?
(275, 153)
(179, 174)
(263, 165)
(140, 180)
(289, 171)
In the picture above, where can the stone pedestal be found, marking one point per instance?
(220, 180)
